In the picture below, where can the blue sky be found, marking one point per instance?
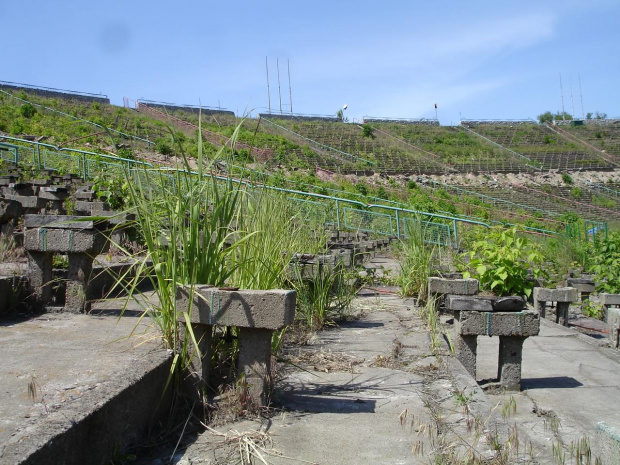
(475, 59)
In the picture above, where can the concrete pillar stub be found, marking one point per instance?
(255, 362)
(561, 313)
(202, 367)
(40, 276)
(466, 348)
(78, 275)
(509, 362)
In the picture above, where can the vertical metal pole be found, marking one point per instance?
(279, 93)
(562, 96)
(268, 95)
(572, 102)
(581, 96)
(290, 93)
(84, 166)
(38, 156)
(338, 215)
(397, 225)
(456, 236)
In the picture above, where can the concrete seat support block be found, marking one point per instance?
(564, 296)
(81, 241)
(511, 327)
(257, 314)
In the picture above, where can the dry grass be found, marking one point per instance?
(325, 362)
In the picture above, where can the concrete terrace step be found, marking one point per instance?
(74, 389)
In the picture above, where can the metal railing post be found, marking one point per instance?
(456, 235)
(397, 225)
(38, 156)
(338, 214)
(84, 166)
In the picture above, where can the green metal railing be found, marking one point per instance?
(392, 220)
(587, 231)
(63, 160)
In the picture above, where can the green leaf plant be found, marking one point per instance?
(504, 262)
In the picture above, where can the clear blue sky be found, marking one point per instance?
(475, 59)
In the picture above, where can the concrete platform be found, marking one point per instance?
(73, 387)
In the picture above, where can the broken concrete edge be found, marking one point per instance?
(480, 405)
(125, 407)
(268, 309)
(606, 444)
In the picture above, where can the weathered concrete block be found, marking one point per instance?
(271, 309)
(513, 303)
(58, 222)
(84, 195)
(87, 241)
(32, 202)
(466, 348)
(53, 193)
(484, 303)
(510, 358)
(468, 303)
(40, 276)
(91, 207)
(561, 294)
(452, 286)
(609, 299)
(613, 322)
(524, 324)
(581, 284)
(9, 209)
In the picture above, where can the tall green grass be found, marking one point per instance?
(274, 232)
(187, 224)
(416, 261)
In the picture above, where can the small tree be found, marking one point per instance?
(341, 117)
(546, 117)
(368, 131)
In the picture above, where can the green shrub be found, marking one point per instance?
(567, 178)
(593, 309)
(604, 263)
(368, 131)
(361, 188)
(501, 261)
(163, 147)
(27, 110)
(575, 193)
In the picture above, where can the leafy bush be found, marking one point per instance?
(163, 147)
(27, 110)
(112, 189)
(593, 309)
(567, 178)
(501, 261)
(361, 188)
(368, 131)
(604, 263)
